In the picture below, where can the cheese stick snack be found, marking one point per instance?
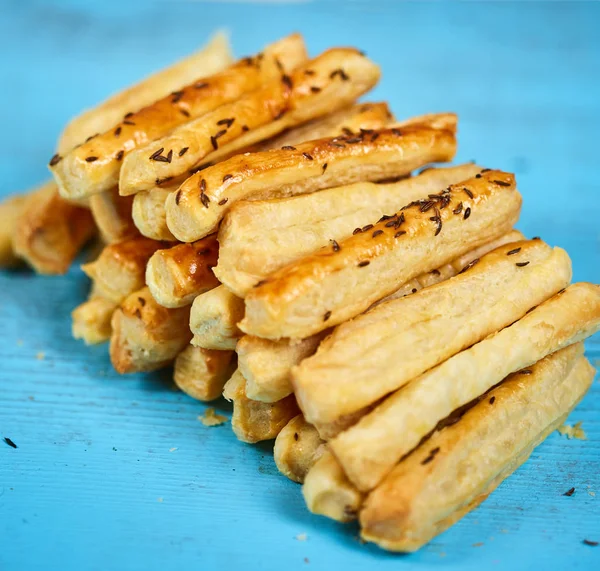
(120, 268)
(327, 491)
(297, 448)
(145, 335)
(149, 214)
(267, 365)
(456, 469)
(354, 366)
(254, 421)
(11, 209)
(50, 231)
(202, 373)
(214, 318)
(343, 122)
(177, 275)
(302, 169)
(112, 214)
(94, 166)
(336, 79)
(342, 281)
(211, 59)
(259, 237)
(369, 450)
(91, 320)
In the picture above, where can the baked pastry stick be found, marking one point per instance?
(327, 491)
(343, 280)
(94, 165)
(50, 231)
(90, 321)
(149, 213)
(369, 450)
(202, 373)
(457, 468)
(120, 268)
(11, 209)
(214, 318)
(177, 275)
(358, 363)
(259, 237)
(305, 168)
(267, 364)
(297, 448)
(254, 421)
(284, 102)
(112, 214)
(343, 122)
(212, 58)
(145, 335)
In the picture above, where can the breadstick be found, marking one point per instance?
(370, 449)
(327, 491)
(202, 373)
(120, 268)
(254, 421)
(145, 335)
(343, 280)
(280, 104)
(297, 448)
(357, 364)
(261, 236)
(10, 211)
(212, 58)
(458, 467)
(149, 213)
(94, 166)
(112, 214)
(50, 231)
(305, 168)
(91, 320)
(177, 275)
(214, 319)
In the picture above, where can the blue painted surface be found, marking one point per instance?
(82, 490)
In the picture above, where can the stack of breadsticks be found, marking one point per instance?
(264, 232)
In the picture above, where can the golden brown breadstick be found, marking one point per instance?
(297, 448)
(50, 231)
(202, 373)
(177, 275)
(214, 319)
(280, 104)
(370, 449)
(261, 236)
(11, 209)
(121, 267)
(343, 122)
(343, 280)
(213, 57)
(267, 364)
(357, 364)
(149, 213)
(112, 214)
(91, 320)
(253, 421)
(305, 168)
(146, 336)
(458, 467)
(94, 166)
(327, 491)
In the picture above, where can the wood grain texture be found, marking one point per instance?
(82, 489)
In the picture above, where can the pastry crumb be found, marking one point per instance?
(173, 449)
(478, 544)
(159, 500)
(302, 537)
(40, 356)
(20, 342)
(593, 494)
(574, 431)
(211, 418)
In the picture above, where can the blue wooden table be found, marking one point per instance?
(117, 472)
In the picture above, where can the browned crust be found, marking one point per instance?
(11, 209)
(310, 166)
(112, 214)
